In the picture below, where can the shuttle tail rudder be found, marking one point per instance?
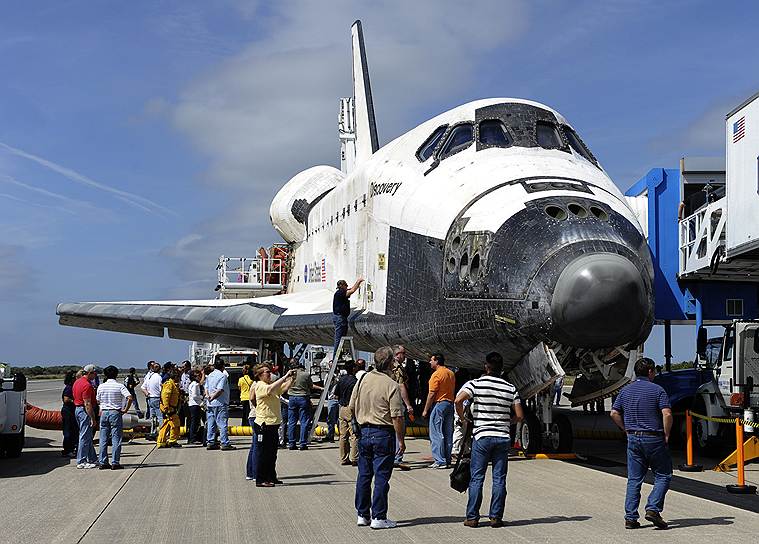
(367, 141)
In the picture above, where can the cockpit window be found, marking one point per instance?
(577, 144)
(493, 132)
(547, 135)
(429, 145)
(461, 137)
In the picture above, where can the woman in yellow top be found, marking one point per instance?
(245, 383)
(268, 419)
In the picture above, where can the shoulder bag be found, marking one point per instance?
(462, 471)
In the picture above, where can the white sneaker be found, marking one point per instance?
(383, 524)
(90, 465)
(81, 465)
(436, 465)
(361, 521)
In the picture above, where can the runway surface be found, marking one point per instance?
(195, 495)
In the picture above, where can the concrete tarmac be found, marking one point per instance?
(195, 495)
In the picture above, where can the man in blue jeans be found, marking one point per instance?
(300, 408)
(84, 403)
(491, 401)
(377, 407)
(439, 406)
(643, 411)
(114, 399)
(217, 411)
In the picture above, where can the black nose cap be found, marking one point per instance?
(600, 300)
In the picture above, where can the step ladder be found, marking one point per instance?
(345, 352)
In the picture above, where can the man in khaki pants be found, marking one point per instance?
(348, 456)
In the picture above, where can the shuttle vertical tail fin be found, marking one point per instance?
(366, 128)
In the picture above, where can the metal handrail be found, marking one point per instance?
(700, 235)
(250, 272)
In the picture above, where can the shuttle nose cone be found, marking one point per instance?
(600, 300)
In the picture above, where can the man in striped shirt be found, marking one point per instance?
(492, 400)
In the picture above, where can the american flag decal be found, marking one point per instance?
(324, 271)
(739, 129)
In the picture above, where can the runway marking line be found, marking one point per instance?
(115, 495)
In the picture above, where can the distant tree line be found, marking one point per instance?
(30, 371)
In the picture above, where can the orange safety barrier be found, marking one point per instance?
(740, 487)
(689, 466)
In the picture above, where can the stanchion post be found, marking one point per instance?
(689, 466)
(741, 487)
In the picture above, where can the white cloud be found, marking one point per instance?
(270, 111)
(702, 134)
(72, 202)
(35, 204)
(131, 199)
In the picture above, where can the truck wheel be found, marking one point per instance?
(19, 382)
(678, 435)
(13, 445)
(530, 435)
(702, 442)
(561, 435)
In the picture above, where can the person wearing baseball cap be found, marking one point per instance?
(84, 409)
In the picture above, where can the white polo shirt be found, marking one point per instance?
(112, 395)
(152, 384)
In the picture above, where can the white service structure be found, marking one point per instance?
(742, 147)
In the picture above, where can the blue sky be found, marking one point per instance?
(139, 141)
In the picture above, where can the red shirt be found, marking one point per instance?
(83, 390)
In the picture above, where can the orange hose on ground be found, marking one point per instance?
(49, 420)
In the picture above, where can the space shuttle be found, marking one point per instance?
(490, 227)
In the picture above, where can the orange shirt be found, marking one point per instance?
(443, 384)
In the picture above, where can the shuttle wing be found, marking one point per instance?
(303, 316)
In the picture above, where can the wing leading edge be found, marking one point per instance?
(238, 322)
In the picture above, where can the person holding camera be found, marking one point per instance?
(268, 418)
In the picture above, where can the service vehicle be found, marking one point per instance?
(722, 384)
(12, 412)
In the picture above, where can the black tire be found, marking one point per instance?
(702, 443)
(19, 382)
(530, 434)
(678, 436)
(562, 427)
(14, 443)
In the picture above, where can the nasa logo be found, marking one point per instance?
(385, 188)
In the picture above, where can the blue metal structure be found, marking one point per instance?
(683, 300)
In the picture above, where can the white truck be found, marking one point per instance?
(235, 358)
(733, 392)
(12, 412)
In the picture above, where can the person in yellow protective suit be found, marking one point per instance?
(170, 410)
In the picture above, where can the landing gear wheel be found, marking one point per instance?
(560, 440)
(530, 434)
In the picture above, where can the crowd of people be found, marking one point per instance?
(372, 404)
